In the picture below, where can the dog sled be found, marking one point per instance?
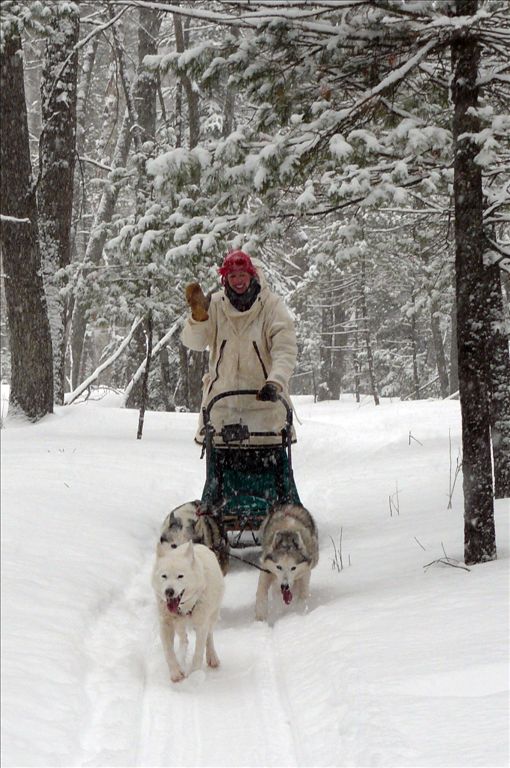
(243, 481)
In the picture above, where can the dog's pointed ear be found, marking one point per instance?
(190, 553)
(162, 548)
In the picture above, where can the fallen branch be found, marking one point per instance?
(155, 352)
(13, 219)
(447, 561)
(86, 384)
(423, 386)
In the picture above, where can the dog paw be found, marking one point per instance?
(259, 616)
(213, 661)
(177, 676)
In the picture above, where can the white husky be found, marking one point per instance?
(188, 584)
(290, 550)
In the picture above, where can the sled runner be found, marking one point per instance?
(243, 481)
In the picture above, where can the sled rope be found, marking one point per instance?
(247, 562)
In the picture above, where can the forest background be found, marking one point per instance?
(360, 148)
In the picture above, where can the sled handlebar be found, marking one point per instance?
(233, 392)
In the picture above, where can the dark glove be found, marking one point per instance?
(269, 391)
(198, 303)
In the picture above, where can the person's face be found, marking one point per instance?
(239, 281)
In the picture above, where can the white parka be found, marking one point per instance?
(246, 349)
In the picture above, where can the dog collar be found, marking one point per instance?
(187, 613)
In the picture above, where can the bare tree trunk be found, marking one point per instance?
(83, 95)
(179, 118)
(366, 332)
(99, 233)
(191, 94)
(80, 206)
(414, 347)
(96, 242)
(499, 383)
(472, 336)
(137, 353)
(325, 350)
(197, 370)
(110, 110)
(146, 92)
(454, 352)
(192, 369)
(145, 96)
(356, 360)
(155, 352)
(164, 365)
(29, 332)
(229, 112)
(337, 355)
(182, 392)
(56, 175)
(230, 99)
(145, 380)
(437, 341)
(331, 358)
(193, 362)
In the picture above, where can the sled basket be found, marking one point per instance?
(243, 482)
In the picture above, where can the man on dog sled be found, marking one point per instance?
(252, 345)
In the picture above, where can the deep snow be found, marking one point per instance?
(389, 664)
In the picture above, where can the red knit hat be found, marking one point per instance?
(236, 261)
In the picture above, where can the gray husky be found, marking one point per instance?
(290, 549)
(186, 523)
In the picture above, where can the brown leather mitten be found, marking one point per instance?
(197, 301)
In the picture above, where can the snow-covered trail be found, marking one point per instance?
(195, 722)
(384, 666)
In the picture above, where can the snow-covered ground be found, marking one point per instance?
(390, 664)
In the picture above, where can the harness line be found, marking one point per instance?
(247, 562)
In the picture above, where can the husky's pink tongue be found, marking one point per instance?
(173, 604)
(287, 596)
